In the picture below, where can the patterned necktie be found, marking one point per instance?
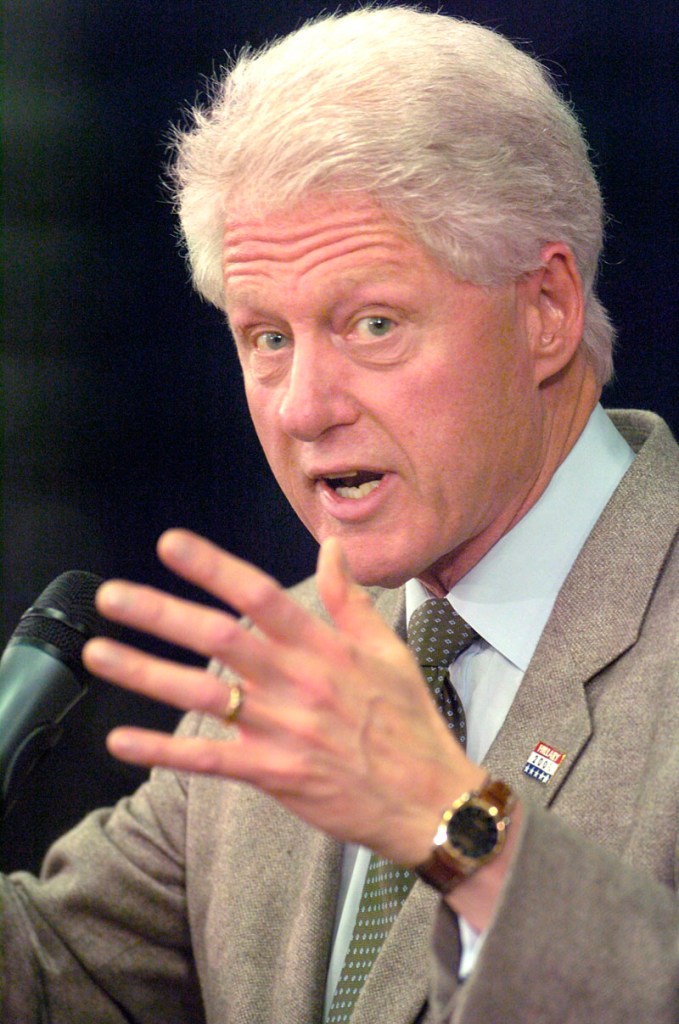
(436, 635)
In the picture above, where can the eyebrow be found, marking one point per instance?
(385, 271)
(345, 292)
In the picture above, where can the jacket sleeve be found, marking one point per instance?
(578, 936)
(103, 934)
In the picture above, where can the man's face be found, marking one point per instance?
(396, 405)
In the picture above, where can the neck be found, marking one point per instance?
(567, 405)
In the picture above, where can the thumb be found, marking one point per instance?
(348, 604)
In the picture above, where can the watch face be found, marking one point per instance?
(472, 831)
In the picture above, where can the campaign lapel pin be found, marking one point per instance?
(543, 762)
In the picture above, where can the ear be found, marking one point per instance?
(555, 311)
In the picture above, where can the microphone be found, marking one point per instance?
(42, 676)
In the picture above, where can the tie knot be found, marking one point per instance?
(437, 634)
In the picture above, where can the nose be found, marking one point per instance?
(317, 390)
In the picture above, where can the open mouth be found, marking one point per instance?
(354, 485)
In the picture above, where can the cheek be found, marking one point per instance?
(263, 411)
(262, 408)
(478, 420)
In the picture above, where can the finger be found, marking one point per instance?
(240, 585)
(185, 687)
(237, 755)
(350, 606)
(194, 626)
(194, 754)
(267, 703)
(205, 631)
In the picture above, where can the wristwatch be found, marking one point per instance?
(470, 834)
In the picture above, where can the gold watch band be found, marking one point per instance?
(448, 865)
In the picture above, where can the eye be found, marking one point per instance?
(375, 326)
(271, 341)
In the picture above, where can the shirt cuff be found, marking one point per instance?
(471, 942)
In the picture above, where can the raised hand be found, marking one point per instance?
(336, 721)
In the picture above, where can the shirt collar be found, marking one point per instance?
(508, 596)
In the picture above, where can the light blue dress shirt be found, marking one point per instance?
(507, 598)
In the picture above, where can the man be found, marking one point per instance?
(398, 216)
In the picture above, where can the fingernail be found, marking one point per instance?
(101, 654)
(175, 543)
(113, 597)
(121, 744)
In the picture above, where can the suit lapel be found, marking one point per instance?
(397, 987)
(299, 985)
(590, 626)
(596, 618)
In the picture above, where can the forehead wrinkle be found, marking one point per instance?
(252, 283)
(304, 238)
(293, 224)
(251, 257)
(245, 294)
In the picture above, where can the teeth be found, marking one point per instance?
(354, 483)
(357, 492)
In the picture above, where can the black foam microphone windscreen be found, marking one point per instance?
(42, 675)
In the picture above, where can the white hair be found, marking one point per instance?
(454, 131)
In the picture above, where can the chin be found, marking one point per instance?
(370, 570)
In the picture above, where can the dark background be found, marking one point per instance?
(122, 408)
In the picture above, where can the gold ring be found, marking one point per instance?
(235, 702)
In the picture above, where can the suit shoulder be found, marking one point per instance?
(389, 603)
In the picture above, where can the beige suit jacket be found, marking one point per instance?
(201, 900)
